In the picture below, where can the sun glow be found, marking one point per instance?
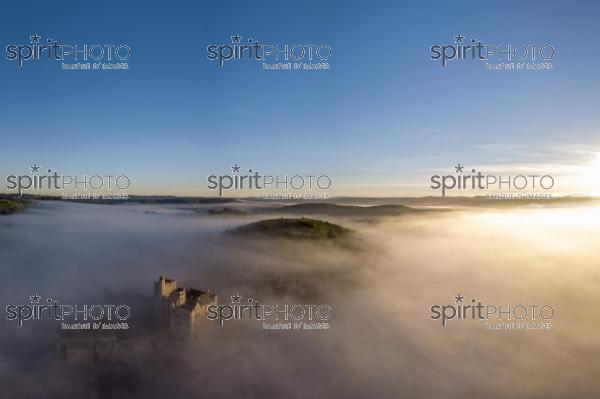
(588, 177)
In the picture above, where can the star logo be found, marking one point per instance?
(459, 38)
(235, 38)
(35, 168)
(236, 298)
(236, 168)
(35, 298)
(459, 298)
(35, 38)
(459, 168)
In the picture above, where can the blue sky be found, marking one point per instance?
(382, 120)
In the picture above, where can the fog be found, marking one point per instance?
(382, 342)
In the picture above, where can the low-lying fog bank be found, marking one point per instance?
(382, 342)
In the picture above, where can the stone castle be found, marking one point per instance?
(182, 310)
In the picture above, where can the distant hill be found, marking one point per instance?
(476, 201)
(226, 210)
(329, 209)
(302, 228)
(336, 206)
(178, 200)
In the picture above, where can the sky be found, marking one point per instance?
(380, 122)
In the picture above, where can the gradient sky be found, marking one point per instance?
(380, 122)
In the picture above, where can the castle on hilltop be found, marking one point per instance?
(183, 310)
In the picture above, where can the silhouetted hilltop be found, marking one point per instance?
(8, 206)
(330, 209)
(178, 200)
(476, 201)
(226, 210)
(336, 206)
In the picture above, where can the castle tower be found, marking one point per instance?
(163, 288)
